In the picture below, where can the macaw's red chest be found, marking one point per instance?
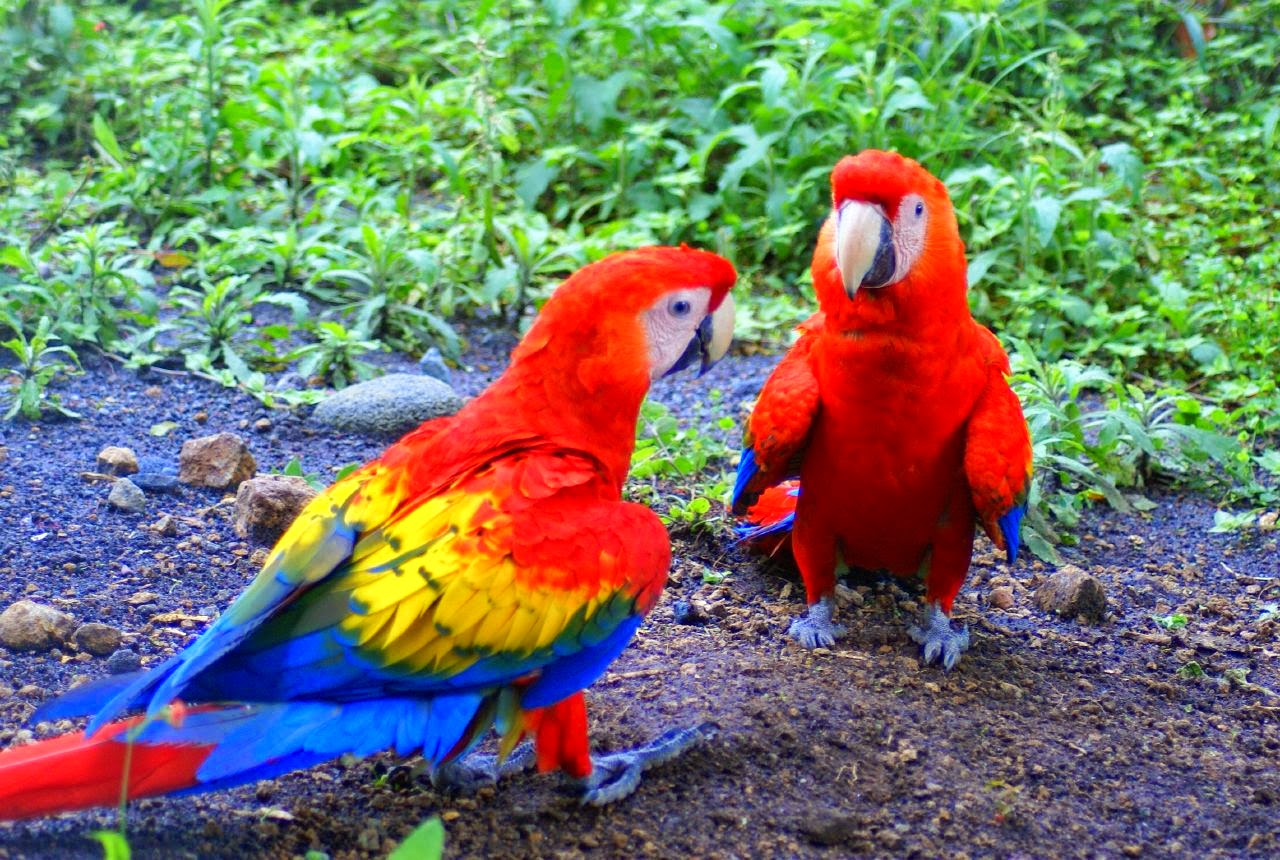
(885, 462)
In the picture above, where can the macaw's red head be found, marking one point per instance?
(634, 317)
(890, 253)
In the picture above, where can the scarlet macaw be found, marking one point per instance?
(893, 409)
(483, 571)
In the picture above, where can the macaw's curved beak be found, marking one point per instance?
(864, 246)
(710, 342)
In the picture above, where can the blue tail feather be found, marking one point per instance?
(747, 469)
(1010, 525)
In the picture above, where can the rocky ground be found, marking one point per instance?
(1147, 726)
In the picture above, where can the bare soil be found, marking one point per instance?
(1051, 739)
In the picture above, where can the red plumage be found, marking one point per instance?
(893, 408)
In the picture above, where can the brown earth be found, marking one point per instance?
(1051, 738)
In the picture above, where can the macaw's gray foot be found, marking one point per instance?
(472, 772)
(816, 629)
(939, 639)
(616, 775)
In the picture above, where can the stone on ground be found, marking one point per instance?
(29, 626)
(100, 640)
(117, 461)
(390, 405)
(1071, 592)
(126, 496)
(267, 504)
(219, 461)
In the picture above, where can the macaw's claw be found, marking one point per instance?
(939, 639)
(616, 775)
(466, 775)
(816, 629)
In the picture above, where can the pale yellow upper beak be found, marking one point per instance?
(864, 246)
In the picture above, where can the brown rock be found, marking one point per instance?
(1267, 522)
(267, 504)
(117, 461)
(27, 626)
(99, 639)
(1001, 597)
(1070, 591)
(218, 461)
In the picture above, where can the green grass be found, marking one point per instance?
(380, 169)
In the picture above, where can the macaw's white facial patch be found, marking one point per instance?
(909, 229)
(682, 331)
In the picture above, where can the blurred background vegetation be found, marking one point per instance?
(236, 187)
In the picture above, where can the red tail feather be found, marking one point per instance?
(73, 772)
(774, 505)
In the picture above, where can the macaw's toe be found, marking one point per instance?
(616, 775)
(817, 629)
(466, 775)
(939, 638)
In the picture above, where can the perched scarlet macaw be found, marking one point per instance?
(893, 408)
(484, 570)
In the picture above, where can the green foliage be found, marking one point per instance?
(39, 363)
(426, 842)
(386, 168)
(115, 844)
(680, 471)
(335, 355)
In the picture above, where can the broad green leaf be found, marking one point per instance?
(426, 842)
(107, 142)
(115, 845)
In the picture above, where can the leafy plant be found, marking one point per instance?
(39, 363)
(335, 355)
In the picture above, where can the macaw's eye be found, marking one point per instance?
(919, 209)
(680, 308)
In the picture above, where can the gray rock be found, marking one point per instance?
(98, 639)
(155, 482)
(289, 382)
(122, 661)
(126, 496)
(28, 626)
(1071, 592)
(267, 504)
(390, 405)
(432, 364)
(220, 461)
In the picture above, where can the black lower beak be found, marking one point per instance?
(885, 262)
(696, 350)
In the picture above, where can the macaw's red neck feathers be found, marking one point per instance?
(583, 368)
(933, 291)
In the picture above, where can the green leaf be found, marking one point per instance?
(163, 428)
(107, 142)
(1047, 212)
(115, 845)
(1125, 163)
(426, 842)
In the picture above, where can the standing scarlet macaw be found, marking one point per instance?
(483, 571)
(893, 408)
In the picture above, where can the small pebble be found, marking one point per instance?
(1000, 597)
(113, 460)
(684, 612)
(98, 639)
(126, 496)
(123, 660)
(262, 425)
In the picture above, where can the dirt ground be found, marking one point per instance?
(1051, 739)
